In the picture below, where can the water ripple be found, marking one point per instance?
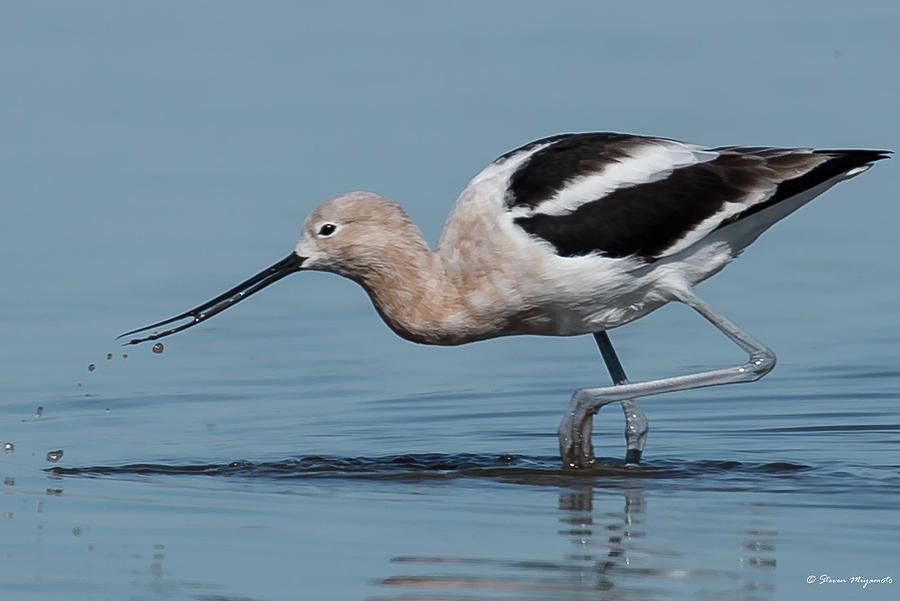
(436, 466)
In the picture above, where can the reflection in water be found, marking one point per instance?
(614, 558)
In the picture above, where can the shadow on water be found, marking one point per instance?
(434, 466)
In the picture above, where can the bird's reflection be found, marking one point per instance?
(613, 558)
(604, 541)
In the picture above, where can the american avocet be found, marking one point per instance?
(571, 234)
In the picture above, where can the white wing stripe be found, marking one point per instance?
(648, 164)
(507, 166)
(705, 227)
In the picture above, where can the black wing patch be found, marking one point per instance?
(646, 219)
(641, 220)
(568, 157)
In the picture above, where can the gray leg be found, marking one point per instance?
(636, 425)
(575, 429)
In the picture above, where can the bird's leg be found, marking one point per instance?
(636, 425)
(574, 431)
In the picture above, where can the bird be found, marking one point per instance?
(572, 234)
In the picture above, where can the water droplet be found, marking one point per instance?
(39, 411)
(158, 348)
(108, 356)
(54, 456)
(92, 367)
(8, 447)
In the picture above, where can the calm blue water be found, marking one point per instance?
(153, 155)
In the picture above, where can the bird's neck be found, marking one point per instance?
(408, 287)
(428, 296)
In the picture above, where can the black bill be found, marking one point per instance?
(270, 275)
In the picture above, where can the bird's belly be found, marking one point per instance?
(575, 320)
(610, 293)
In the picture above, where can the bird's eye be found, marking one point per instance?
(327, 229)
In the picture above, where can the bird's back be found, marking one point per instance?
(620, 195)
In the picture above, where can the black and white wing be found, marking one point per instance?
(622, 195)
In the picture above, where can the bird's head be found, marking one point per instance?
(350, 235)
